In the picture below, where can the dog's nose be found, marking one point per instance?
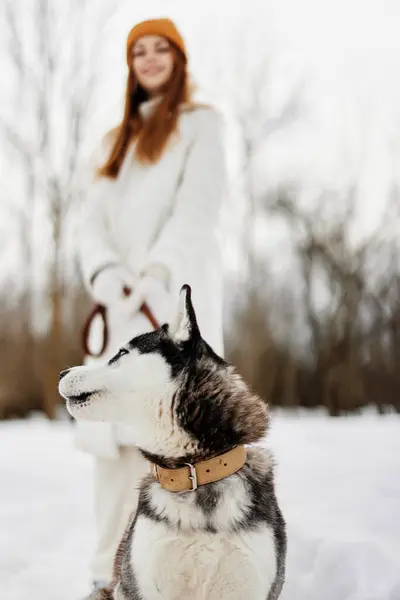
(64, 373)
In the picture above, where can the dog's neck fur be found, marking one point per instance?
(214, 507)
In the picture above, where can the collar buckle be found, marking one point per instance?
(192, 477)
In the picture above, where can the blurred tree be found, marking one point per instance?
(329, 334)
(54, 55)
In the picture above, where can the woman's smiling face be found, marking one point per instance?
(152, 63)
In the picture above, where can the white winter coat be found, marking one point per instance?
(165, 214)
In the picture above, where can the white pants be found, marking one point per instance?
(116, 483)
(118, 465)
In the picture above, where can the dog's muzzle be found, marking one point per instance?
(80, 398)
(64, 373)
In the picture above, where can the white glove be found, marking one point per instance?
(148, 290)
(108, 286)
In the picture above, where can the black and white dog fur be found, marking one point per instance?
(227, 539)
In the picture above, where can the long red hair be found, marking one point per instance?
(152, 134)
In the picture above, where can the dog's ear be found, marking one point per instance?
(183, 327)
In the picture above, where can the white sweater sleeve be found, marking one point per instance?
(95, 247)
(195, 218)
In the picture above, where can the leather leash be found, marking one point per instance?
(99, 310)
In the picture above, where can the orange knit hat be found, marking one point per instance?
(162, 27)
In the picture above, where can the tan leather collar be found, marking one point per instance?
(188, 478)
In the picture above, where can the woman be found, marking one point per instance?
(149, 225)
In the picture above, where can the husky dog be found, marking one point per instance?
(207, 525)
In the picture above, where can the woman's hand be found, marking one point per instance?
(151, 291)
(111, 284)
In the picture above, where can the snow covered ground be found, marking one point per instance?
(338, 483)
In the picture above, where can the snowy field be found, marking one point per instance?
(338, 483)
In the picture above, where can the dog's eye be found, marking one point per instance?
(119, 354)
